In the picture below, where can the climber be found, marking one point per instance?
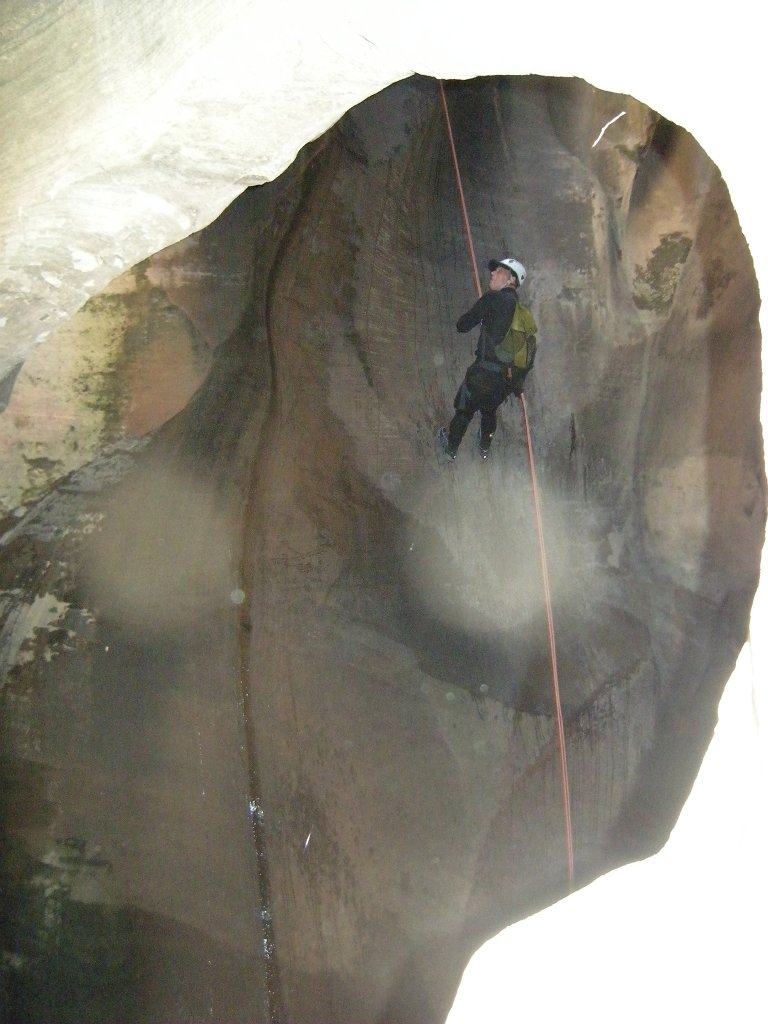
(489, 380)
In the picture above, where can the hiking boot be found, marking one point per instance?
(442, 442)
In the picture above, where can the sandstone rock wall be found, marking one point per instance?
(295, 661)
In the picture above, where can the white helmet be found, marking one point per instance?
(509, 263)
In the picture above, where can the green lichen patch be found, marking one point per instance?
(72, 954)
(655, 285)
(61, 957)
(717, 277)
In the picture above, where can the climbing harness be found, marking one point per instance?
(539, 528)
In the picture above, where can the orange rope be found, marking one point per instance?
(539, 530)
(552, 649)
(461, 192)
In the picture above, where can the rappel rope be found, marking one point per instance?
(460, 187)
(539, 527)
(552, 647)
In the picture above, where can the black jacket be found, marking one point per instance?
(494, 310)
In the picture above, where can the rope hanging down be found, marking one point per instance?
(539, 528)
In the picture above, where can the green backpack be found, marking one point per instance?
(518, 346)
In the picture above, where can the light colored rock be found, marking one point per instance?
(121, 366)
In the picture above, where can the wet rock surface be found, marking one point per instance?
(277, 697)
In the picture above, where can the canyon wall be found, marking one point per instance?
(278, 701)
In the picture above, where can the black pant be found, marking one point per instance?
(483, 391)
